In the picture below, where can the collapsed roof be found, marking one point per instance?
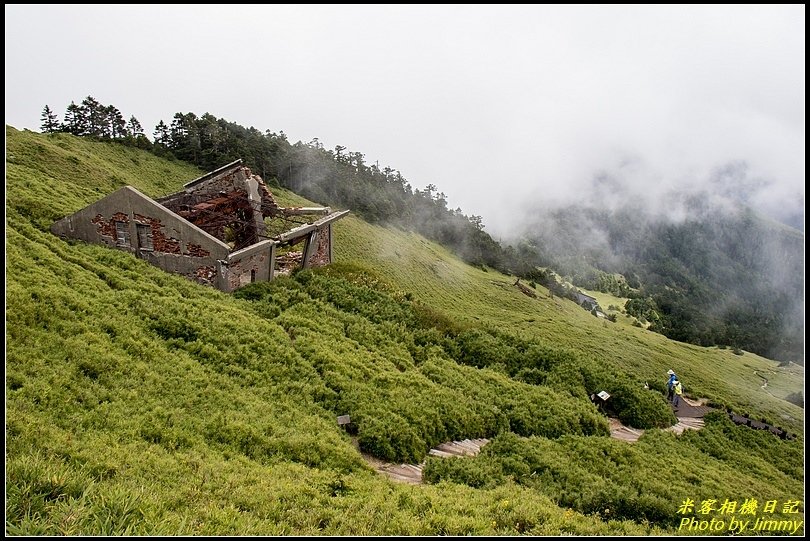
(223, 228)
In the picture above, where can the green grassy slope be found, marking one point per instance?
(139, 402)
(436, 277)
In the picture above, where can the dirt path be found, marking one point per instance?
(764, 379)
(690, 417)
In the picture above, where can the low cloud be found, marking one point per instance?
(497, 106)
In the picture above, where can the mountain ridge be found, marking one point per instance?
(729, 278)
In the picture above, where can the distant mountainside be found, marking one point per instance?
(718, 277)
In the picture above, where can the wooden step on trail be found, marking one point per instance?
(625, 433)
(439, 453)
(686, 423)
(412, 473)
(459, 448)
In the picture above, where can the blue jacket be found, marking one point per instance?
(672, 379)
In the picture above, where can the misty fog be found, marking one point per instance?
(505, 109)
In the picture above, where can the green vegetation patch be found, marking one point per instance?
(139, 402)
(645, 481)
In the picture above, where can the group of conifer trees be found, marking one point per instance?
(93, 119)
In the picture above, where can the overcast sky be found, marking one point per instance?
(500, 107)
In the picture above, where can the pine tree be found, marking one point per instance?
(50, 122)
(184, 139)
(118, 126)
(75, 121)
(162, 134)
(134, 127)
(98, 125)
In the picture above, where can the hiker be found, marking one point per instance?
(678, 390)
(670, 384)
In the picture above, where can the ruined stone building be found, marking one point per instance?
(224, 229)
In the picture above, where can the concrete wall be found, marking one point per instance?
(252, 264)
(176, 245)
(130, 221)
(319, 247)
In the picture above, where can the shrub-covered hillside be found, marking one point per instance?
(138, 402)
(471, 295)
